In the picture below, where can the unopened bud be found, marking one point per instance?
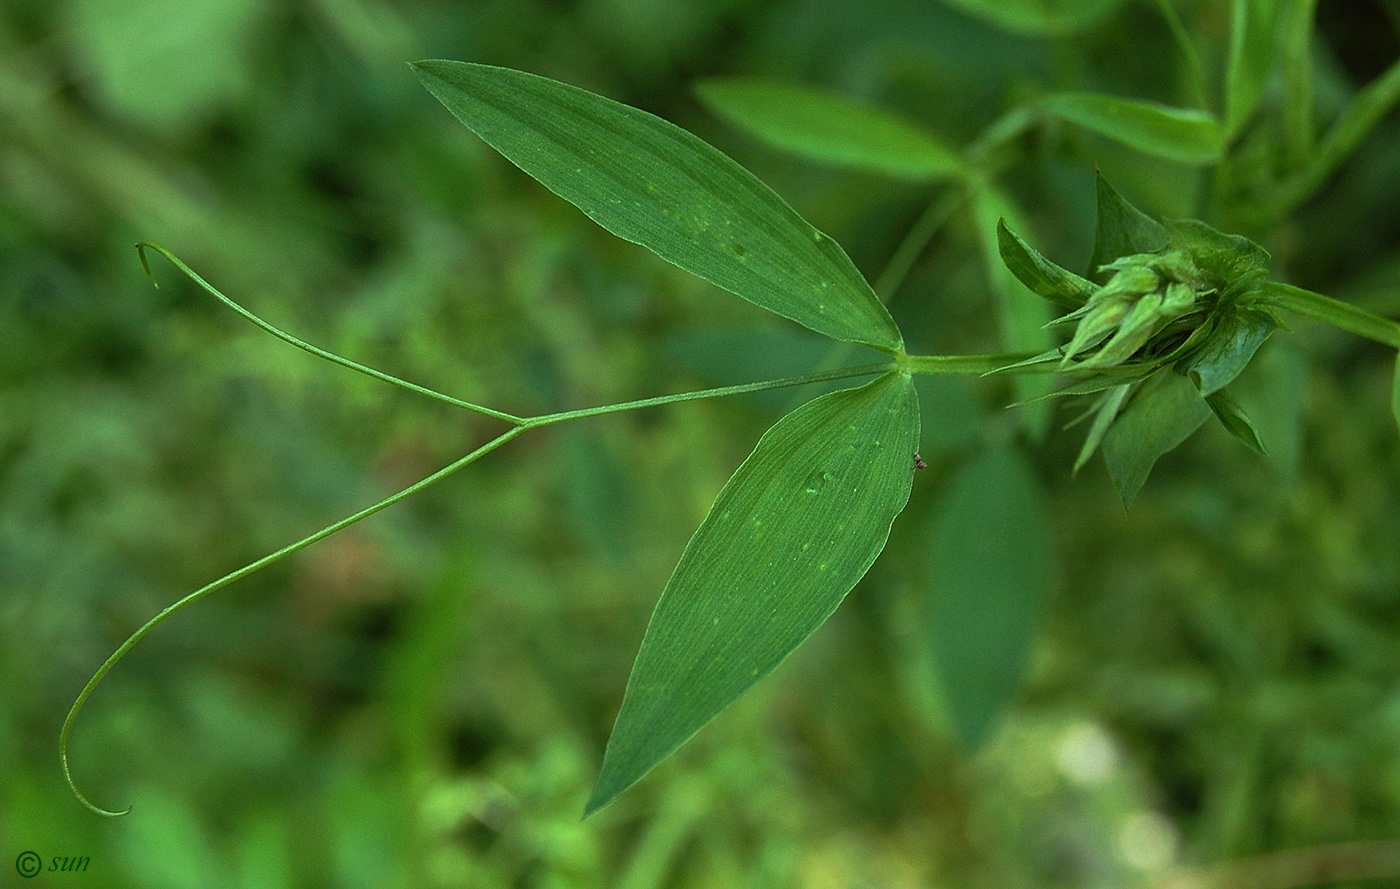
(1146, 292)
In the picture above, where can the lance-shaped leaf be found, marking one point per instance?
(1232, 416)
(823, 126)
(1230, 347)
(1105, 412)
(654, 184)
(1121, 230)
(1042, 276)
(1163, 414)
(791, 533)
(988, 571)
(1185, 135)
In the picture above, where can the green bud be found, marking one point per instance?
(1134, 280)
(1100, 320)
(1178, 299)
(1145, 319)
(1146, 293)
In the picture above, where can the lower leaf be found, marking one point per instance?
(794, 529)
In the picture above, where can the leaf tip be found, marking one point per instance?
(607, 789)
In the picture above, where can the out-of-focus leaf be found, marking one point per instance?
(1042, 276)
(1021, 314)
(1296, 52)
(1038, 17)
(1185, 135)
(169, 845)
(823, 126)
(1163, 414)
(791, 533)
(648, 181)
(1356, 121)
(1395, 392)
(597, 493)
(1253, 40)
(1230, 347)
(162, 61)
(988, 570)
(1232, 416)
(1121, 230)
(950, 411)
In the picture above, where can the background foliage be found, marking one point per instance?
(423, 700)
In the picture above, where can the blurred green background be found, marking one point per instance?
(423, 699)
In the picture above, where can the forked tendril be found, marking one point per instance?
(519, 425)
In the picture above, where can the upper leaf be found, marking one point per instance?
(794, 529)
(1232, 416)
(823, 126)
(1179, 134)
(648, 181)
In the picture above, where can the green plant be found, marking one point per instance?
(1168, 316)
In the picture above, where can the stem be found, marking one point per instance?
(1352, 126)
(934, 217)
(1188, 51)
(1295, 868)
(238, 575)
(307, 347)
(1334, 312)
(974, 364)
(784, 382)
(1298, 80)
(1002, 130)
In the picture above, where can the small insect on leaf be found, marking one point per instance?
(919, 462)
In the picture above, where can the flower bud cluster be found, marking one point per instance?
(1146, 293)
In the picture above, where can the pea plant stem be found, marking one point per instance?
(911, 364)
(1335, 312)
(1295, 868)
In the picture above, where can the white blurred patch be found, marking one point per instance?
(1148, 841)
(1087, 754)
